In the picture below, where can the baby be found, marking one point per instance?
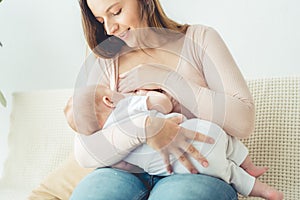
(228, 158)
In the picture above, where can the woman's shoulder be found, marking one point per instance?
(199, 33)
(198, 28)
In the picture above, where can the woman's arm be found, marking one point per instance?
(235, 114)
(227, 101)
(104, 147)
(111, 145)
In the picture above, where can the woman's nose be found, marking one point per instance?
(112, 28)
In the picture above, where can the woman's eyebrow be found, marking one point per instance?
(110, 7)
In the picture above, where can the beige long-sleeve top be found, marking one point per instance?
(207, 83)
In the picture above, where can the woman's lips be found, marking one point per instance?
(124, 34)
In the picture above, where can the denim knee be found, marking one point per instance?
(109, 183)
(192, 187)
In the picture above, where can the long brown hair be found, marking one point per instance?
(107, 46)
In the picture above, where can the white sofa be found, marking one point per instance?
(40, 140)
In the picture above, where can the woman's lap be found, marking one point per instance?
(108, 183)
(192, 187)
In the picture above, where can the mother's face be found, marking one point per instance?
(120, 18)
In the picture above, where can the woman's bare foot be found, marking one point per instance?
(265, 191)
(252, 169)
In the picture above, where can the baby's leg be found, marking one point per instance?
(265, 191)
(238, 153)
(252, 169)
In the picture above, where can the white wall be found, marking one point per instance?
(263, 35)
(43, 45)
(43, 48)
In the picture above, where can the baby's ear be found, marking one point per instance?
(108, 102)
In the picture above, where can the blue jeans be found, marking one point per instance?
(113, 184)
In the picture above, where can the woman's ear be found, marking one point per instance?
(108, 102)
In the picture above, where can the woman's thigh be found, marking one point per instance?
(192, 187)
(109, 183)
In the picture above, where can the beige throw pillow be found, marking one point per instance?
(61, 182)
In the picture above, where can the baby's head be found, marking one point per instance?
(104, 103)
(90, 119)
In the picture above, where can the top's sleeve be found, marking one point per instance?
(110, 145)
(226, 100)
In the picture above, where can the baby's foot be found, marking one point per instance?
(265, 191)
(256, 171)
(272, 194)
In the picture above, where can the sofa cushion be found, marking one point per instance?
(39, 139)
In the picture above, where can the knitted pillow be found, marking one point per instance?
(39, 140)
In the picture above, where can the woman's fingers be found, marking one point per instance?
(139, 76)
(192, 151)
(177, 119)
(188, 148)
(182, 157)
(193, 135)
(166, 159)
(166, 135)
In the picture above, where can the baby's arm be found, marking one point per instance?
(157, 101)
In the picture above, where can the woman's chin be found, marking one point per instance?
(134, 39)
(132, 43)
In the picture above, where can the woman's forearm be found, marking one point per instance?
(235, 113)
(111, 145)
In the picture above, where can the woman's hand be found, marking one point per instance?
(146, 76)
(167, 137)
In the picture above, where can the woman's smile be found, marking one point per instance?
(124, 35)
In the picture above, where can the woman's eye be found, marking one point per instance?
(118, 12)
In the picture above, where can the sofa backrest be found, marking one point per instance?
(39, 137)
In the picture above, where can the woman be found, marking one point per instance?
(200, 74)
